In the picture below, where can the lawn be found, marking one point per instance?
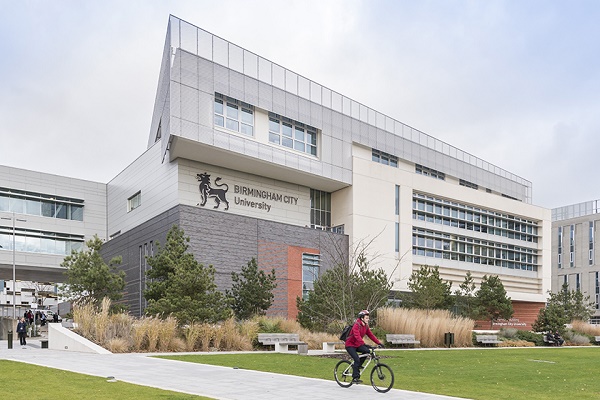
(482, 374)
(20, 380)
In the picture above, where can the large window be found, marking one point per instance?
(320, 209)
(447, 246)
(445, 212)
(32, 241)
(384, 158)
(234, 115)
(310, 272)
(292, 134)
(45, 205)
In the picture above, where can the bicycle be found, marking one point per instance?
(382, 376)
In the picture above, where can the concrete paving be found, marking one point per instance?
(211, 381)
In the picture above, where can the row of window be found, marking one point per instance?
(422, 170)
(320, 209)
(29, 203)
(238, 116)
(30, 241)
(384, 158)
(440, 245)
(468, 184)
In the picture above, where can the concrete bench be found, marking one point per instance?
(281, 341)
(407, 339)
(487, 339)
(329, 347)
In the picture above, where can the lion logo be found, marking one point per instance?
(206, 191)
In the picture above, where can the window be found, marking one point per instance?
(397, 239)
(44, 242)
(234, 115)
(397, 200)
(134, 201)
(292, 134)
(310, 272)
(468, 184)
(419, 169)
(320, 209)
(560, 243)
(384, 158)
(44, 205)
(591, 240)
(572, 246)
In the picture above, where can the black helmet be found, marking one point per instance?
(363, 313)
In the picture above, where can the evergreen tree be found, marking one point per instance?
(88, 277)
(181, 286)
(429, 291)
(465, 297)
(491, 300)
(252, 291)
(563, 307)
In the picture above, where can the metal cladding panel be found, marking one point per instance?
(336, 151)
(221, 79)
(291, 107)
(380, 139)
(316, 167)
(236, 85)
(221, 139)
(355, 131)
(279, 156)
(337, 173)
(175, 127)
(390, 143)
(205, 76)
(316, 115)
(265, 152)
(278, 101)
(189, 70)
(372, 137)
(176, 68)
(364, 132)
(175, 99)
(327, 116)
(326, 172)
(251, 148)
(304, 164)
(346, 128)
(304, 111)
(325, 154)
(189, 104)
(189, 130)
(347, 156)
(206, 135)
(336, 125)
(250, 90)
(236, 144)
(291, 160)
(205, 109)
(265, 96)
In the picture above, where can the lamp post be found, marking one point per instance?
(14, 264)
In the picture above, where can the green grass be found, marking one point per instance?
(20, 380)
(482, 374)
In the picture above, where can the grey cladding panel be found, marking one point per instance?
(251, 91)
(189, 70)
(236, 85)
(291, 106)
(206, 76)
(189, 104)
(316, 115)
(265, 96)
(221, 79)
(279, 101)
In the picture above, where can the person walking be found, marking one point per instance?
(355, 343)
(22, 331)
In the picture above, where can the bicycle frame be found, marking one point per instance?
(381, 375)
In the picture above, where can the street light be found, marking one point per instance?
(14, 265)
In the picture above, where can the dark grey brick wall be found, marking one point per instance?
(226, 241)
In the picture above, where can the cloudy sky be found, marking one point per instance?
(516, 83)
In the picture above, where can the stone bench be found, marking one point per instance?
(281, 341)
(487, 339)
(329, 347)
(407, 339)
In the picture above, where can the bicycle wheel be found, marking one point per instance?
(382, 378)
(343, 373)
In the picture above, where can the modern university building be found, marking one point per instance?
(574, 258)
(254, 160)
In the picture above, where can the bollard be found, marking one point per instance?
(10, 335)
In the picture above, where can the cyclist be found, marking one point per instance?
(355, 343)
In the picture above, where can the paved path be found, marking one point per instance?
(212, 381)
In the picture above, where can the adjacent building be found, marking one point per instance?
(574, 259)
(254, 160)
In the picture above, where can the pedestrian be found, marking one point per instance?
(22, 331)
(558, 339)
(355, 343)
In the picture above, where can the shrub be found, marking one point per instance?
(578, 340)
(508, 333)
(117, 345)
(536, 338)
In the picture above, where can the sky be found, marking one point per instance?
(515, 83)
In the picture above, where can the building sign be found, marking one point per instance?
(509, 322)
(218, 194)
(260, 194)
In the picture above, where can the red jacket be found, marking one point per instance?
(358, 331)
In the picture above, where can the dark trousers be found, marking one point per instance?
(353, 351)
(22, 340)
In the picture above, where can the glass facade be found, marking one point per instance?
(44, 205)
(31, 241)
(445, 212)
(320, 209)
(442, 245)
(310, 272)
(292, 134)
